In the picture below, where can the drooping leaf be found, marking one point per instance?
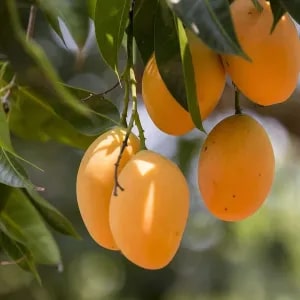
(11, 171)
(51, 215)
(4, 131)
(106, 114)
(293, 8)
(111, 18)
(92, 8)
(44, 124)
(143, 29)
(23, 223)
(19, 254)
(34, 70)
(167, 53)
(189, 76)
(211, 21)
(278, 11)
(73, 13)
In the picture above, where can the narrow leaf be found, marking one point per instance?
(19, 254)
(73, 13)
(24, 224)
(44, 123)
(11, 171)
(51, 215)
(110, 22)
(293, 8)
(189, 78)
(167, 53)
(278, 11)
(103, 111)
(143, 29)
(211, 21)
(4, 131)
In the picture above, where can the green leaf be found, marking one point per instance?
(111, 18)
(34, 70)
(73, 13)
(4, 131)
(106, 115)
(293, 8)
(189, 77)
(92, 8)
(24, 224)
(51, 215)
(167, 53)
(143, 28)
(19, 253)
(212, 22)
(11, 171)
(43, 124)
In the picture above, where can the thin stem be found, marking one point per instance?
(31, 22)
(237, 106)
(130, 82)
(124, 145)
(7, 263)
(102, 93)
(126, 104)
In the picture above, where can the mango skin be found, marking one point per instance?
(148, 218)
(95, 182)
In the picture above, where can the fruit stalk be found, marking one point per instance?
(130, 86)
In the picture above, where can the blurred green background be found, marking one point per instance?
(258, 258)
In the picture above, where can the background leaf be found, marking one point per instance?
(23, 223)
(44, 123)
(19, 253)
(34, 70)
(110, 22)
(73, 13)
(51, 215)
(211, 21)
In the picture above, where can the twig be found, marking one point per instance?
(14, 262)
(130, 82)
(238, 110)
(31, 22)
(103, 93)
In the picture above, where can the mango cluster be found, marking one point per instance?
(146, 219)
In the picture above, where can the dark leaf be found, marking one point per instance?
(211, 21)
(19, 254)
(278, 11)
(11, 171)
(143, 29)
(293, 8)
(167, 53)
